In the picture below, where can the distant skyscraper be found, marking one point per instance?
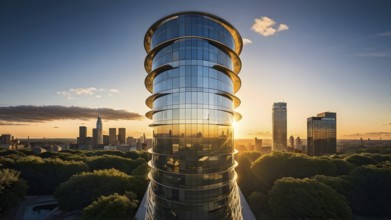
(95, 137)
(5, 139)
(113, 136)
(82, 131)
(130, 141)
(193, 67)
(106, 140)
(121, 135)
(291, 142)
(258, 144)
(99, 128)
(279, 124)
(322, 134)
(298, 144)
(81, 140)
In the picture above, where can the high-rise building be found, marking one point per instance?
(279, 124)
(258, 144)
(82, 131)
(193, 67)
(121, 135)
(298, 144)
(95, 137)
(291, 142)
(5, 139)
(81, 140)
(112, 136)
(130, 141)
(322, 134)
(99, 128)
(106, 140)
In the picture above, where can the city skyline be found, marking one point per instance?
(323, 56)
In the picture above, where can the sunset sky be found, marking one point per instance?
(61, 60)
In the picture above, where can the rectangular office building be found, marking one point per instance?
(322, 134)
(279, 124)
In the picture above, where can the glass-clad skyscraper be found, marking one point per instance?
(193, 67)
(322, 134)
(279, 124)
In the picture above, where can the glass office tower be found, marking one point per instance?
(279, 124)
(322, 134)
(193, 67)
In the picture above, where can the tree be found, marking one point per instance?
(258, 203)
(306, 199)
(109, 152)
(371, 191)
(44, 175)
(360, 159)
(276, 165)
(11, 152)
(72, 157)
(110, 207)
(141, 170)
(81, 189)
(12, 189)
(133, 154)
(343, 166)
(48, 154)
(109, 161)
(247, 181)
(340, 184)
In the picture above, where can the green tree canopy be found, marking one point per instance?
(276, 165)
(109, 161)
(371, 191)
(343, 166)
(110, 207)
(340, 184)
(258, 202)
(44, 175)
(81, 189)
(141, 170)
(360, 159)
(306, 199)
(12, 189)
(246, 178)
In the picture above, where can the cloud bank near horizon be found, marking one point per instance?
(13, 115)
(375, 133)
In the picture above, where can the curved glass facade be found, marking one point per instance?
(192, 66)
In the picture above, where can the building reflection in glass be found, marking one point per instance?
(322, 134)
(193, 67)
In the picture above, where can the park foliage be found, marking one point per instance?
(278, 185)
(283, 185)
(78, 179)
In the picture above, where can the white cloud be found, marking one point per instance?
(89, 91)
(84, 91)
(266, 26)
(114, 91)
(247, 41)
(282, 27)
(65, 94)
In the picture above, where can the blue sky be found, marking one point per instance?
(334, 56)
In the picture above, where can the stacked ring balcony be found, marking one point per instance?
(193, 64)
